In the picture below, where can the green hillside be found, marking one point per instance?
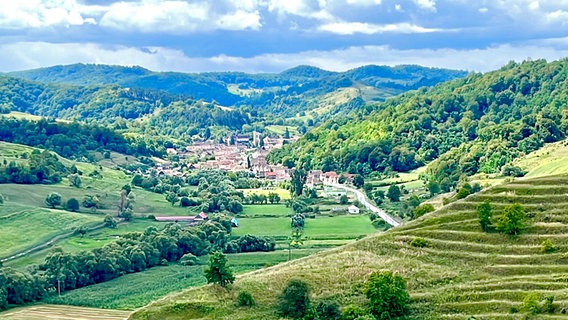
(460, 272)
(470, 125)
(284, 94)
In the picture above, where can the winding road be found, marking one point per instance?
(364, 201)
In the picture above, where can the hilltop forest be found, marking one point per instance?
(465, 126)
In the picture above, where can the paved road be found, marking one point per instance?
(364, 201)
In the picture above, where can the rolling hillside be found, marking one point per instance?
(461, 271)
(470, 125)
(286, 93)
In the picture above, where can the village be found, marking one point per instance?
(241, 153)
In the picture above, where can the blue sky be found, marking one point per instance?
(273, 35)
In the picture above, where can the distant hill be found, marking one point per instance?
(286, 93)
(470, 125)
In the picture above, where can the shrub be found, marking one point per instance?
(513, 220)
(463, 192)
(419, 243)
(352, 312)
(547, 246)
(326, 310)
(53, 199)
(72, 205)
(513, 171)
(548, 305)
(484, 213)
(387, 295)
(245, 299)
(422, 210)
(188, 259)
(530, 303)
(294, 300)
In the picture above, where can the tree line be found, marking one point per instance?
(133, 252)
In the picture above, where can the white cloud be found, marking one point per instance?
(365, 2)
(26, 55)
(300, 8)
(40, 14)
(426, 4)
(349, 28)
(178, 17)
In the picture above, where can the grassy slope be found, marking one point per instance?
(26, 222)
(138, 289)
(462, 272)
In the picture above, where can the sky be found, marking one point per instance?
(273, 35)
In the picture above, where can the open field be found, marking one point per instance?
(92, 240)
(461, 271)
(280, 130)
(339, 227)
(274, 227)
(283, 193)
(24, 229)
(550, 159)
(42, 312)
(138, 289)
(266, 210)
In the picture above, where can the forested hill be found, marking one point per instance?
(116, 106)
(286, 93)
(489, 119)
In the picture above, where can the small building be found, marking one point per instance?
(175, 219)
(331, 177)
(235, 222)
(353, 210)
(202, 216)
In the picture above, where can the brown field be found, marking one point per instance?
(46, 311)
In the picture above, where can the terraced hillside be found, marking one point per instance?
(461, 272)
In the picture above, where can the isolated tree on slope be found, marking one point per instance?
(218, 272)
(53, 199)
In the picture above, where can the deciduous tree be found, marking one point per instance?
(53, 200)
(387, 295)
(217, 271)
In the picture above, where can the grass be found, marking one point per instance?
(92, 240)
(266, 210)
(461, 272)
(29, 227)
(280, 130)
(338, 227)
(552, 159)
(274, 227)
(135, 290)
(283, 193)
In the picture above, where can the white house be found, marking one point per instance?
(353, 209)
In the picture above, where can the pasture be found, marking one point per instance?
(283, 193)
(263, 210)
(135, 290)
(21, 230)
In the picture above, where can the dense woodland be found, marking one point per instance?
(100, 92)
(470, 125)
(72, 140)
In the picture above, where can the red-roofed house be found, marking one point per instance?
(330, 177)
